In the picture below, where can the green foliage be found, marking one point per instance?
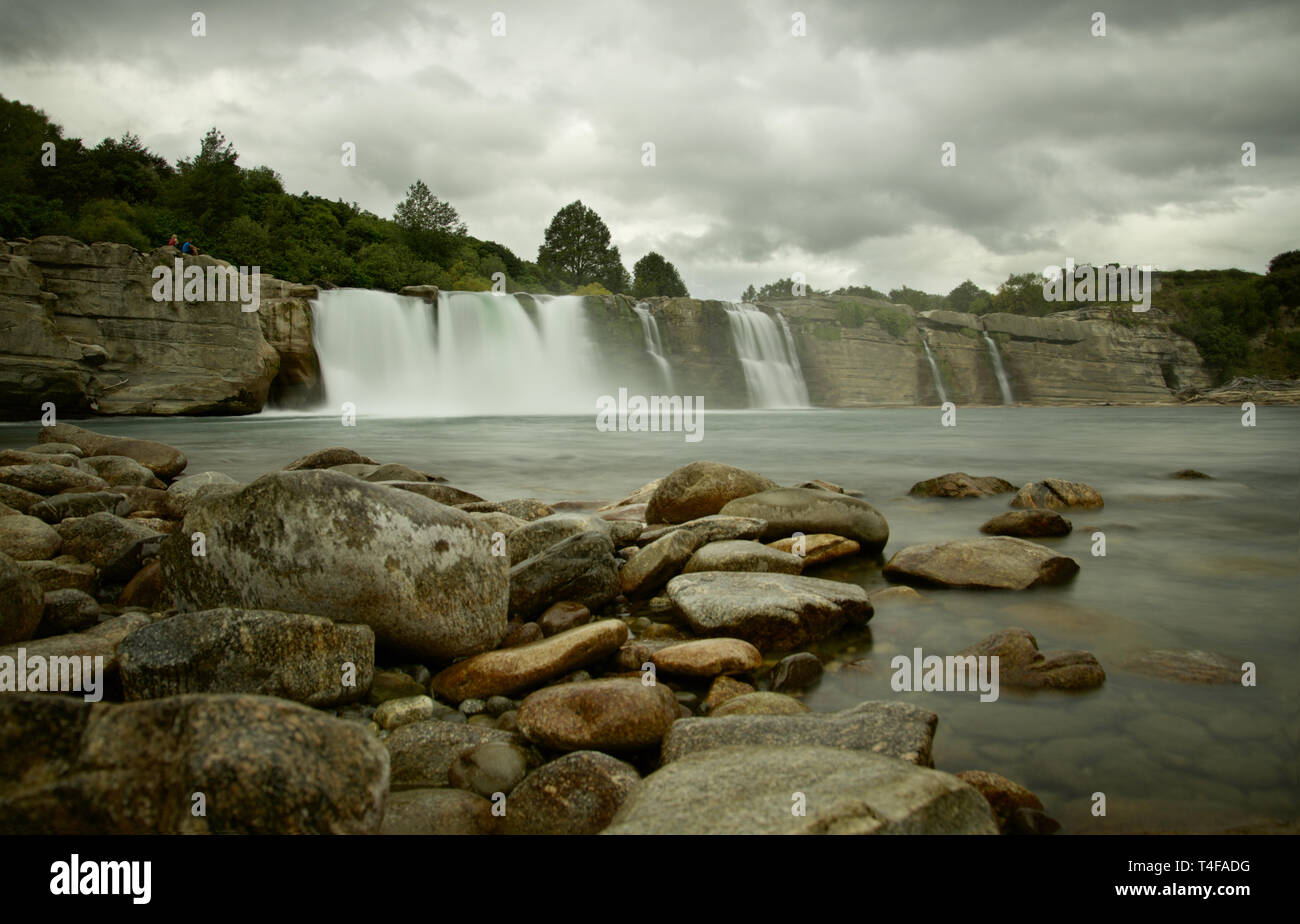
(894, 320)
(576, 250)
(653, 275)
(852, 315)
(421, 212)
(921, 301)
(592, 288)
(966, 296)
(749, 294)
(862, 292)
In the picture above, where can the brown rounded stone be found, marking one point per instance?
(602, 715)
(708, 657)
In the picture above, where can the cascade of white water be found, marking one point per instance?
(1003, 384)
(653, 344)
(934, 371)
(480, 353)
(772, 373)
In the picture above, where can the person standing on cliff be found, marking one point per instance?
(173, 242)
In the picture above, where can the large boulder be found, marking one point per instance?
(651, 567)
(111, 543)
(163, 460)
(743, 555)
(102, 641)
(44, 478)
(261, 766)
(752, 790)
(420, 574)
(120, 471)
(810, 510)
(581, 568)
(536, 536)
(82, 504)
(996, 562)
(294, 656)
(772, 611)
(701, 489)
(21, 602)
(714, 528)
(509, 670)
(896, 729)
(328, 458)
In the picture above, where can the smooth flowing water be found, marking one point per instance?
(772, 373)
(654, 344)
(1003, 384)
(1204, 565)
(934, 371)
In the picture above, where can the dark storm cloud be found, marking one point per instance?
(775, 153)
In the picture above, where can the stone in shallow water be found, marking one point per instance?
(1029, 524)
(328, 458)
(959, 484)
(797, 672)
(508, 670)
(1021, 664)
(996, 562)
(715, 528)
(896, 729)
(438, 811)
(743, 555)
(1004, 796)
(818, 549)
(749, 790)
(603, 715)
(290, 655)
(1187, 666)
(578, 793)
(771, 611)
(264, 765)
(708, 657)
(421, 574)
(1055, 494)
(809, 511)
(700, 489)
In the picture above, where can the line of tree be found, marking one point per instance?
(119, 190)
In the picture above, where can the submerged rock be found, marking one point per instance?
(421, 574)
(1029, 524)
(998, 562)
(1055, 494)
(1021, 664)
(751, 790)
(959, 484)
(771, 611)
(1187, 666)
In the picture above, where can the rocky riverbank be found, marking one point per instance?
(344, 645)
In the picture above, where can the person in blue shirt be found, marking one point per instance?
(190, 249)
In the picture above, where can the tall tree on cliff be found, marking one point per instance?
(653, 275)
(210, 185)
(577, 250)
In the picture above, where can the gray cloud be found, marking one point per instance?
(775, 153)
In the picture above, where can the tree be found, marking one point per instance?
(211, 186)
(653, 275)
(749, 294)
(577, 250)
(422, 211)
(965, 296)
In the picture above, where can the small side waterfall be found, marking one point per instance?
(653, 344)
(1003, 384)
(790, 347)
(771, 367)
(934, 371)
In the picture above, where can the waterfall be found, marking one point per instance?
(479, 353)
(653, 344)
(1003, 384)
(934, 371)
(771, 367)
(790, 348)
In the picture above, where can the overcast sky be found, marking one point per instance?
(775, 153)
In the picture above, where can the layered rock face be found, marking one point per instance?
(81, 329)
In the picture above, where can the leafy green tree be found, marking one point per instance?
(576, 249)
(749, 294)
(964, 297)
(862, 291)
(422, 211)
(211, 185)
(653, 275)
